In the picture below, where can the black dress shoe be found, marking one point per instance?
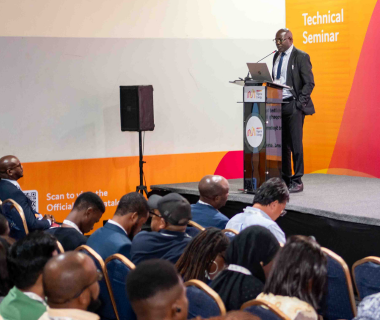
(295, 187)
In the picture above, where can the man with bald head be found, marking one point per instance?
(292, 67)
(71, 286)
(213, 194)
(11, 170)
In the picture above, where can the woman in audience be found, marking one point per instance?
(249, 256)
(203, 258)
(298, 278)
(5, 283)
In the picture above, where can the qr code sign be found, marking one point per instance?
(33, 196)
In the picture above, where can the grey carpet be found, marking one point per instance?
(353, 199)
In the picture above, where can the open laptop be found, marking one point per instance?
(259, 72)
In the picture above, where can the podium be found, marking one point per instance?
(262, 132)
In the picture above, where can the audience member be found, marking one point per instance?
(170, 241)
(204, 256)
(268, 204)
(71, 287)
(233, 315)
(249, 257)
(369, 308)
(156, 291)
(26, 260)
(11, 170)
(297, 280)
(5, 239)
(87, 210)
(157, 222)
(213, 194)
(117, 234)
(5, 282)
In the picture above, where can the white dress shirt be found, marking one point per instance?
(284, 69)
(117, 224)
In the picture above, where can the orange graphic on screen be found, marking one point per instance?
(251, 133)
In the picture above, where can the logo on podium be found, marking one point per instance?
(254, 131)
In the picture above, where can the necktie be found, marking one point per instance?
(280, 66)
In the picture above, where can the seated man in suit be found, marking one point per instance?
(71, 287)
(172, 239)
(26, 261)
(213, 191)
(156, 291)
(116, 235)
(87, 210)
(10, 171)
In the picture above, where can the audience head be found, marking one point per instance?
(175, 210)
(11, 168)
(214, 190)
(70, 281)
(234, 315)
(88, 209)
(156, 291)
(4, 226)
(5, 283)
(27, 258)
(132, 212)
(299, 270)
(272, 197)
(204, 256)
(157, 223)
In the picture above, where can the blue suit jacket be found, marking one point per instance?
(10, 191)
(109, 240)
(208, 216)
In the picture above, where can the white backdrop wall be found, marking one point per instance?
(62, 62)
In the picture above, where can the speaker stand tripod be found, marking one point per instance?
(141, 188)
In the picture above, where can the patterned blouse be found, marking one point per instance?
(293, 307)
(369, 308)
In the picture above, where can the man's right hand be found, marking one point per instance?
(49, 217)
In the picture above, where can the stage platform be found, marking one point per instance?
(341, 212)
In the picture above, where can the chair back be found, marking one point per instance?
(264, 310)
(339, 302)
(118, 267)
(366, 274)
(60, 247)
(191, 223)
(230, 233)
(16, 219)
(108, 308)
(203, 301)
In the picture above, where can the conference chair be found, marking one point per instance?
(60, 247)
(230, 233)
(264, 310)
(366, 274)
(16, 218)
(108, 308)
(195, 225)
(203, 301)
(339, 302)
(118, 267)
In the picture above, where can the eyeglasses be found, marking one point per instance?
(152, 213)
(280, 40)
(99, 277)
(283, 212)
(18, 166)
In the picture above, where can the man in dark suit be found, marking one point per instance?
(10, 171)
(87, 210)
(116, 235)
(292, 67)
(213, 194)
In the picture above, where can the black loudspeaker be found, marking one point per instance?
(136, 108)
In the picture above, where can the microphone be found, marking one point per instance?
(261, 60)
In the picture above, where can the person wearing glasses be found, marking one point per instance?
(292, 67)
(71, 286)
(11, 170)
(268, 205)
